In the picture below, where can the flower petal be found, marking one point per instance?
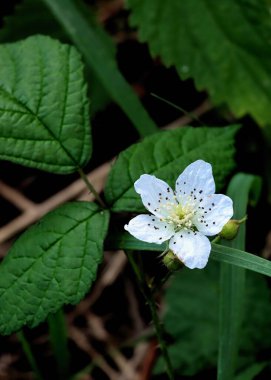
(192, 248)
(156, 195)
(150, 229)
(196, 180)
(212, 214)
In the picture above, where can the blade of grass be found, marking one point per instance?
(59, 343)
(29, 355)
(102, 63)
(241, 259)
(232, 281)
(220, 253)
(251, 372)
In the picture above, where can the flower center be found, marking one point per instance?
(181, 216)
(180, 212)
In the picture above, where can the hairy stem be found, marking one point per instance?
(155, 318)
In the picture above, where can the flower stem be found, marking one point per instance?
(216, 239)
(156, 321)
(28, 353)
(244, 219)
(91, 187)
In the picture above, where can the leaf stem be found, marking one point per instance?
(59, 342)
(156, 321)
(28, 353)
(91, 187)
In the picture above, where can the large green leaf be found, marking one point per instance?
(224, 45)
(165, 155)
(192, 319)
(51, 264)
(33, 17)
(44, 111)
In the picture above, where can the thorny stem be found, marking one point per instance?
(156, 321)
(28, 353)
(91, 188)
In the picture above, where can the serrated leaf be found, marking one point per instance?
(192, 319)
(165, 155)
(44, 112)
(33, 17)
(224, 45)
(51, 264)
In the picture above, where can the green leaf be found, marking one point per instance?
(224, 45)
(192, 319)
(44, 112)
(51, 264)
(241, 259)
(233, 279)
(99, 59)
(219, 252)
(165, 155)
(33, 17)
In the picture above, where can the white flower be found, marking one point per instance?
(185, 216)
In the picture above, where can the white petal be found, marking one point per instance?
(150, 229)
(196, 180)
(156, 195)
(192, 248)
(212, 214)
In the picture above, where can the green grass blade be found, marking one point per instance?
(251, 372)
(232, 281)
(241, 259)
(59, 342)
(220, 253)
(29, 355)
(100, 60)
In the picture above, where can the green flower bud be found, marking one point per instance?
(230, 230)
(171, 261)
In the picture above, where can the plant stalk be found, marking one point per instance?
(156, 321)
(59, 342)
(29, 354)
(91, 188)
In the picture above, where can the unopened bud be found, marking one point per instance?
(171, 261)
(230, 230)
